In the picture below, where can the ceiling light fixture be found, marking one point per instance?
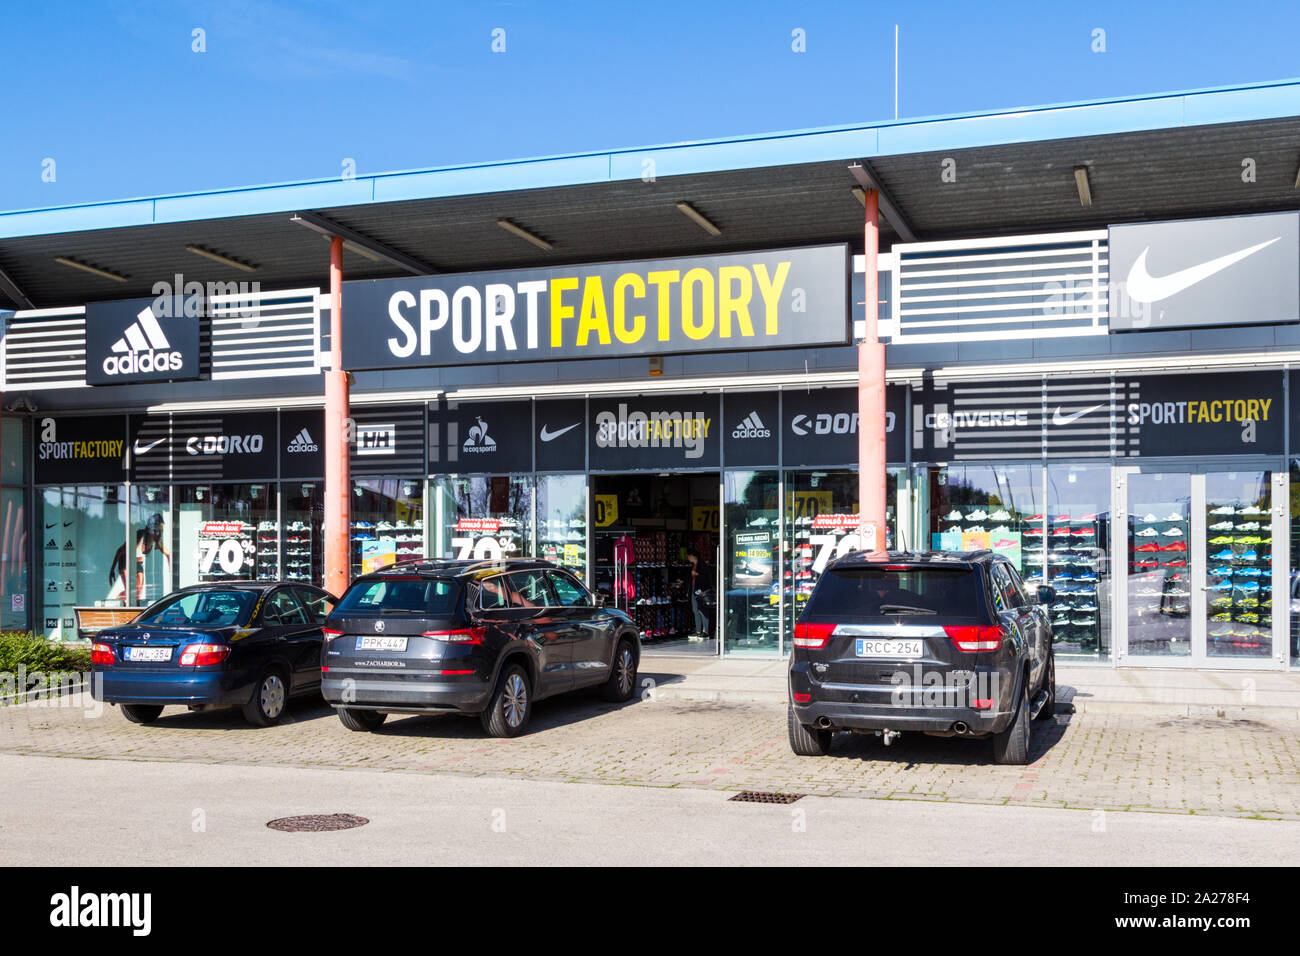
(697, 217)
(1083, 185)
(523, 233)
(218, 257)
(93, 270)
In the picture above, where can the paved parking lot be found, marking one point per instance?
(1093, 760)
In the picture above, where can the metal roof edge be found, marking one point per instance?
(1214, 105)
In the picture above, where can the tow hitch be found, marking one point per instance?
(889, 736)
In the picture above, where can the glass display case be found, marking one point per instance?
(1159, 582)
(1239, 569)
(753, 598)
(217, 533)
(1069, 552)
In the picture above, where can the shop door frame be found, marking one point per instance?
(1197, 470)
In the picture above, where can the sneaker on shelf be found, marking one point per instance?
(1224, 555)
(1149, 546)
(1174, 546)
(1149, 517)
(1250, 510)
(1248, 526)
(1225, 510)
(1221, 539)
(977, 516)
(1146, 533)
(1221, 526)
(1000, 515)
(1173, 532)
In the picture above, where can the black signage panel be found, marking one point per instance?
(480, 437)
(561, 435)
(302, 443)
(782, 298)
(227, 446)
(954, 421)
(1237, 413)
(670, 432)
(80, 450)
(387, 440)
(141, 340)
(821, 426)
(1077, 420)
(751, 428)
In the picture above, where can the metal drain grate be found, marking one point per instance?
(318, 823)
(759, 796)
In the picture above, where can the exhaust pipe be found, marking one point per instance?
(959, 728)
(824, 723)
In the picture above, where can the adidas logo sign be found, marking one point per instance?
(302, 443)
(143, 348)
(752, 427)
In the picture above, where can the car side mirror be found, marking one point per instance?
(1046, 595)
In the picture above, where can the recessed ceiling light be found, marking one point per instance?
(1083, 185)
(523, 233)
(218, 257)
(697, 217)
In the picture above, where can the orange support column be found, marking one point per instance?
(871, 390)
(338, 502)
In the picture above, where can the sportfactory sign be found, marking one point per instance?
(1240, 270)
(745, 301)
(130, 341)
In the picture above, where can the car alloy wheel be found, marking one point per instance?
(626, 671)
(271, 696)
(514, 704)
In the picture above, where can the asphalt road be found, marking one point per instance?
(78, 812)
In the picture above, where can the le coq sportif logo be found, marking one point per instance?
(143, 348)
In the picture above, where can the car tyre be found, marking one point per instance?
(141, 713)
(511, 704)
(270, 698)
(361, 720)
(1011, 746)
(622, 676)
(807, 741)
(1049, 684)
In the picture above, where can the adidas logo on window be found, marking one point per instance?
(143, 348)
(302, 442)
(752, 427)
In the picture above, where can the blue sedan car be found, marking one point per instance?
(246, 644)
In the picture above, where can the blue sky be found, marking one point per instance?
(114, 93)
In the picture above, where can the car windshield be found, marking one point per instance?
(897, 592)
(432, 597)
(225, 608)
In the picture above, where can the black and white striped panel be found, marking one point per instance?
(45, 349)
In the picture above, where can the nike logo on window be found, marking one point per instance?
(1059, 419)
(141, 449)
(551, 436)
(1144, 287)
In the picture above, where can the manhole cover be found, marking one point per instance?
(318, 823)
(758, 796)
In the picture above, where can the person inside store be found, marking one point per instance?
(698, 579)
(147, 539)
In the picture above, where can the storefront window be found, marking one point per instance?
(13, 451)
(85, 561)
(1075, 559)
(753, 595)
(999, 507)
(1239, 576)
(562, 521)
(1159, 582)
(821, 509)
(298, 536)
(481, 517)
(151, 524)
(13, 560)
(218, 528)
(387, 522)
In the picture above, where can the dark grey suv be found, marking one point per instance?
(472, 637)
(947, 643)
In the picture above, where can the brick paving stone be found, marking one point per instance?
(1099, 759)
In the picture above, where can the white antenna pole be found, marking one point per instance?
(895, 71)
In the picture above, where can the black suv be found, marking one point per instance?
(471, 637)
(946, 643)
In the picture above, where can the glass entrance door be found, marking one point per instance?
(1197, 552)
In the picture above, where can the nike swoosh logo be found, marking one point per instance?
(141, 450)
(1059, 419)
(1144, 287)
(551, 436)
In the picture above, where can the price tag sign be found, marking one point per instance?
(704, 518)
(808, 504)
(606, 507)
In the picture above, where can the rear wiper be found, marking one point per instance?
(904, 609)
(397, 610)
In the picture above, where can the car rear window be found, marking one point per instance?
(199, 609)
(435, 597)
(905, 592)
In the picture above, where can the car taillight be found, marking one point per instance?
(329, 633)
(204, 655)
(812, 635)
(101, 654)
(972, 638)
(465, 635)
